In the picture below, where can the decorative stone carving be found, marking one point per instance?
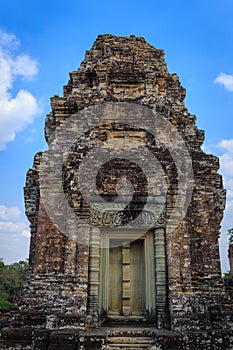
(128, 219)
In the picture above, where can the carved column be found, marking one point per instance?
(94, 272)
(160, 277)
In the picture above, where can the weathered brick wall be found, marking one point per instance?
(128, 69)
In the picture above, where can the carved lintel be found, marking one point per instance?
(130, 218)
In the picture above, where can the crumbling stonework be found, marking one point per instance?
(186, 306)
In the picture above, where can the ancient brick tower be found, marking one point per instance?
(125, 211)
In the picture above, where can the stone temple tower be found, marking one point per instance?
(125, 211)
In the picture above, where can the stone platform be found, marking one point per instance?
(108, 338)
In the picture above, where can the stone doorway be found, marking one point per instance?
(126, 287)
(127, 276)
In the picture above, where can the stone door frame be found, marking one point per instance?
(149, 268)
(157, 290)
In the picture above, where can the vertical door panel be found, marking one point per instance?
(137, 279)
(127, 273)
(115, 281)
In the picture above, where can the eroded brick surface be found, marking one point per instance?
(61, 292)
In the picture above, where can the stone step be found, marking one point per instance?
(132, 332)
(130, 340)
(129, 347)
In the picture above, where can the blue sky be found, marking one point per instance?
(41, 41)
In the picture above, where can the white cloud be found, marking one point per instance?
(226, 161)
(227, 144)
(16, 113)
(8, 40)
(226, 80)
(25, 66)
(14, 241)
(9, 227)
(19, 110)
(14, 234)
(7, 213)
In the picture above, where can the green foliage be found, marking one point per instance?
(4, 302)
(230, 234)
(12, 281)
